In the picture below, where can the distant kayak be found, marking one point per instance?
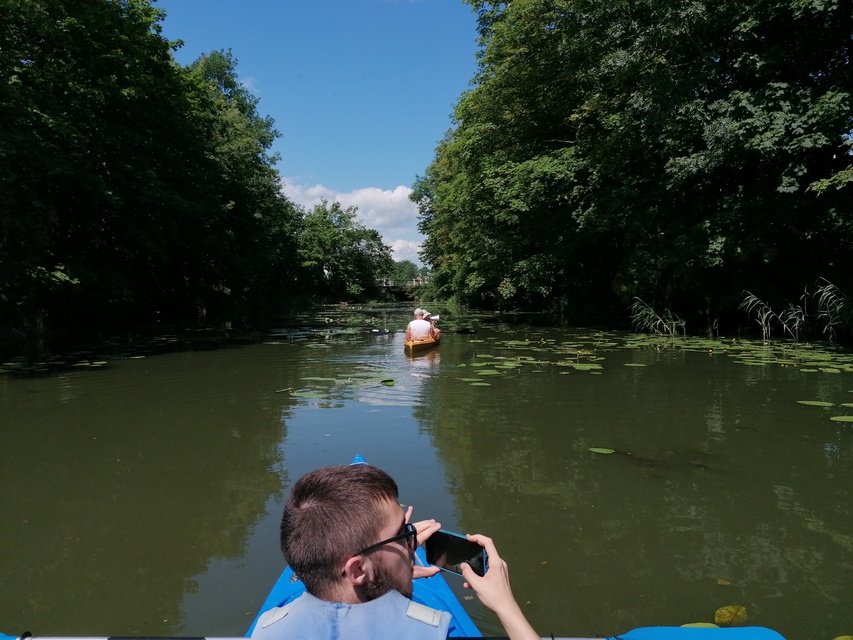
(413, 346)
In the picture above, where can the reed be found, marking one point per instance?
(794, 316)
(833, 308)
(764, 315)
(645, 318)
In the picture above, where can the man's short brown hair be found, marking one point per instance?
(331, 514)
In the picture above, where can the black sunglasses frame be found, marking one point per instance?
(410, 532)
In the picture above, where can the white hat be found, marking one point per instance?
(425, 312)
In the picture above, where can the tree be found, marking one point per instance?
(132, 188)
(403, 271)
(340, 258)
(674, 151)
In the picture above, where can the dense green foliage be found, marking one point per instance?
(678, 151)
(339, 255)
(135, 189)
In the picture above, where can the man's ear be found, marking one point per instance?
(355, 571)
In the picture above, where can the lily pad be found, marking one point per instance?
(730, 615)
(842, 418)
(816, 403)
(489, 372)
(480, 384)
(846, 404)
(388, 383)
(602, 450)
(635, 364)
(702, 625)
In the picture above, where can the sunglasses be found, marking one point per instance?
(408, 533)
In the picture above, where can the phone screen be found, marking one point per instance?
(448, 550)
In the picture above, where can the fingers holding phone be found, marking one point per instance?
(493, 588)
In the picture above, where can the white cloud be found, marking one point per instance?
(406, 250)
(390, 212)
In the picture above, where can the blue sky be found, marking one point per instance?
(361, 91)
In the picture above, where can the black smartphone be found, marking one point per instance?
(448, 550)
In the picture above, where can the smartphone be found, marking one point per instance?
(448, 550)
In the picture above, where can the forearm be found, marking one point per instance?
(515, 624)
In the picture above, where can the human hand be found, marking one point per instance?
(495, 592)
(425, 529)
(493, 589)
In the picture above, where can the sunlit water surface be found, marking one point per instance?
(143, 496)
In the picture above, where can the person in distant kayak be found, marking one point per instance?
(346, 537)
(421, 327)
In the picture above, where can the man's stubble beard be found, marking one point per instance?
(384, 581)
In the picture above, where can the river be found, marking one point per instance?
(143, 481)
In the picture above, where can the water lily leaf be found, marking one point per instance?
(843, 638)
(635, 364)
(480, 384)
(602, 450)
(388, 383)
(702, 625)
(730, 615)
(842, 418)
(846, 404)
(489, 372)
(723, 583)
(830, 370)
(816, 403)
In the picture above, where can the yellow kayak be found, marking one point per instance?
(413, 346)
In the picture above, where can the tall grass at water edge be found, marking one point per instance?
(825, 311)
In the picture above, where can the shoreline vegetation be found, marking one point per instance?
(682, 170)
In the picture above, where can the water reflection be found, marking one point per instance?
(153, 488)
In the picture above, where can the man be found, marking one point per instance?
(420, 328)
(344, 534)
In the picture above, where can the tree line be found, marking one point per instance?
(135, 189)
(683, 153)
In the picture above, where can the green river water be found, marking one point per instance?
(142, 488)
